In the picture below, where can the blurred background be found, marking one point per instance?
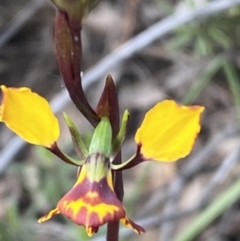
(190, 53)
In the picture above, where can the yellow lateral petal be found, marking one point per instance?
(168, 131)
(49, 215)
(130, 224)
(29, 116)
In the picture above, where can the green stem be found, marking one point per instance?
(233, 80)
(214, 210)
(199, 85)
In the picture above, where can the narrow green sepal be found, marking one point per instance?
(117, 143)
(102, 138)
(78, 143)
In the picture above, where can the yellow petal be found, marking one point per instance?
(168, 131)
(49, 215)
(29, 116)
(130, 224)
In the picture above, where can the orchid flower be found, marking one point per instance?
(167, 133)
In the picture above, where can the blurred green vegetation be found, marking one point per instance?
(216, 37)
(208, 36)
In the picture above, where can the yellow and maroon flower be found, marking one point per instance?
(92, 201)
(168, 132)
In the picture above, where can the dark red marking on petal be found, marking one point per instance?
(83, 204)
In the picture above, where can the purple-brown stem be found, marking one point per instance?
(56, 151)
(135, 161)
(68, 48)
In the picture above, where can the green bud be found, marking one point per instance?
(102, 138)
